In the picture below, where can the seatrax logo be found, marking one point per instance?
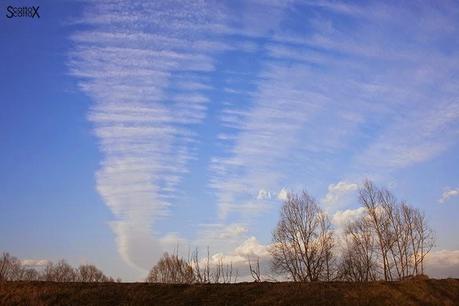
(24, 11)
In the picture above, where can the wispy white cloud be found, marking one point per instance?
(233, 230)
(265, 136)
(416, 137)
(337, 99)
(447, 194)
(337, 91)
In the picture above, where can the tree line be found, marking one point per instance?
(12, 269)
(388, 241)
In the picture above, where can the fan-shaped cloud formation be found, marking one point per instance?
(144, 65)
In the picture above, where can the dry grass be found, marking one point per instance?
(409, 292)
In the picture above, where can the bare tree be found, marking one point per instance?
(303, 240)
(390, 240)
(223, 273)
(10, 268)
(255, 269)
(201, 271)
(358, 258)
(60, 272)
(4, 266)
(205, 272)
(422, 240)
(369, 197)
(413, 239)
(90, 274)
(171, 269)
(30, 274)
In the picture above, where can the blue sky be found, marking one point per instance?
(128, 127)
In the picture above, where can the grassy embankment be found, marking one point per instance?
(410, 292)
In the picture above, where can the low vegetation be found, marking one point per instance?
(408, 292)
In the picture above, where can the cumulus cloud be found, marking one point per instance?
(442, 263)
(282, 195)
(34, 262)
(337, 191)
(250, 249)
(263, 195)
(447, 194)
(343, 217)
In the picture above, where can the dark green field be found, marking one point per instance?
(413, 292)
